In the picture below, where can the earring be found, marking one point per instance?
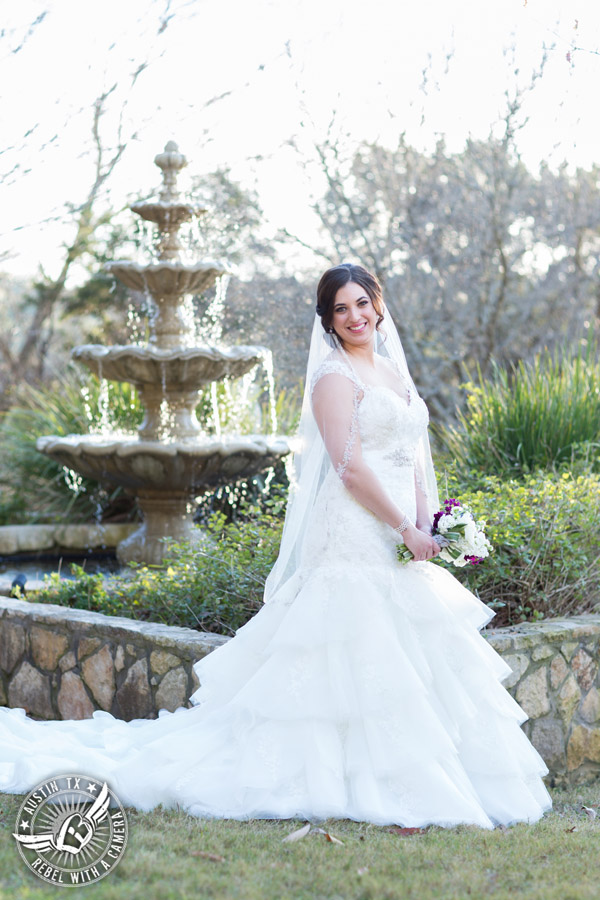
(329, 330)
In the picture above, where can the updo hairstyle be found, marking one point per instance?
(339, 276)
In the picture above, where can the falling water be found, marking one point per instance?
(166, 422)
(73, 480)
(212, 322)
(147, 238)
(135, 326)
(188, 316)
(87, 406)
(104, 421)
(191, 239)
(267, 366)
(214, 405)
(236, 402)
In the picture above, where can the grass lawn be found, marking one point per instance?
(172, 855)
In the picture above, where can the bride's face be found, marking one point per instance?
(354, 316)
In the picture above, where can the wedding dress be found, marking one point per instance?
(362, 689)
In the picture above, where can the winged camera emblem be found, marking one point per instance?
(74, 833)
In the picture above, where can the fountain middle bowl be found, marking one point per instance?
(177, 369)
(167, 278)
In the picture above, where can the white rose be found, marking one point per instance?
(445, 523)
(481, 545)
(471, 533)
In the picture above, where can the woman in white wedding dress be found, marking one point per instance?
(362, 689)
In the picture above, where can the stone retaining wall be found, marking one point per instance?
(61, 663)
(556, 680)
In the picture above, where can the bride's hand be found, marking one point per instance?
(421, 545)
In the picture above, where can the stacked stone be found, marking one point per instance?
(555, 679)
(64, 664)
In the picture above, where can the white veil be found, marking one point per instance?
(311, 463)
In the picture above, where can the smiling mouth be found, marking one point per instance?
(357, 327)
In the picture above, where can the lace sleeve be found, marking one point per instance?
(331, 367)
(420, 480)
(336, 396)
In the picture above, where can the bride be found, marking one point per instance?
(362, 689)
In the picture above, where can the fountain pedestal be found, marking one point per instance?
(171, 462)
(165, 516)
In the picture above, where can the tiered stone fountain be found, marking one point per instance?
(171, 461)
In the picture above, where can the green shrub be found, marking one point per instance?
(546, 560)
(540, 414)
(546, 537)
(215, 587)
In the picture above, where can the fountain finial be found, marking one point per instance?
(171, 161)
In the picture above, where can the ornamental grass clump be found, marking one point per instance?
(542, 414)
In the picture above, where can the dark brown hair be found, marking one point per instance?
(339, 276)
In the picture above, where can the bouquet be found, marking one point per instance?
(458, 533)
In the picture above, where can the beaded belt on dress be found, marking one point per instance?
(401, 457)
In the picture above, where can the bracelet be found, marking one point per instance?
(403, 525)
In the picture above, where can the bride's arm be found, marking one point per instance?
(335, 405)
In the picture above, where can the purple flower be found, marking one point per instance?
(447, 507)
(474, 560)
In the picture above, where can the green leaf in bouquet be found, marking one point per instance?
(454, 552)
(455, 535)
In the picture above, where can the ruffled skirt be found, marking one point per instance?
(366, 694)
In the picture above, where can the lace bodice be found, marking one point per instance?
(389, 426)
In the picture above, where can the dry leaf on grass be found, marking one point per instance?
(328, 837)
(307, 829)
(570, 830)
(591, 813)
(297, 835)
(214, 857)
(395, 829)
(332, 839)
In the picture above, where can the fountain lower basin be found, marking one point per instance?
(166, 477)
(190, 466)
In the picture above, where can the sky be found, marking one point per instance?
(238, 83)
